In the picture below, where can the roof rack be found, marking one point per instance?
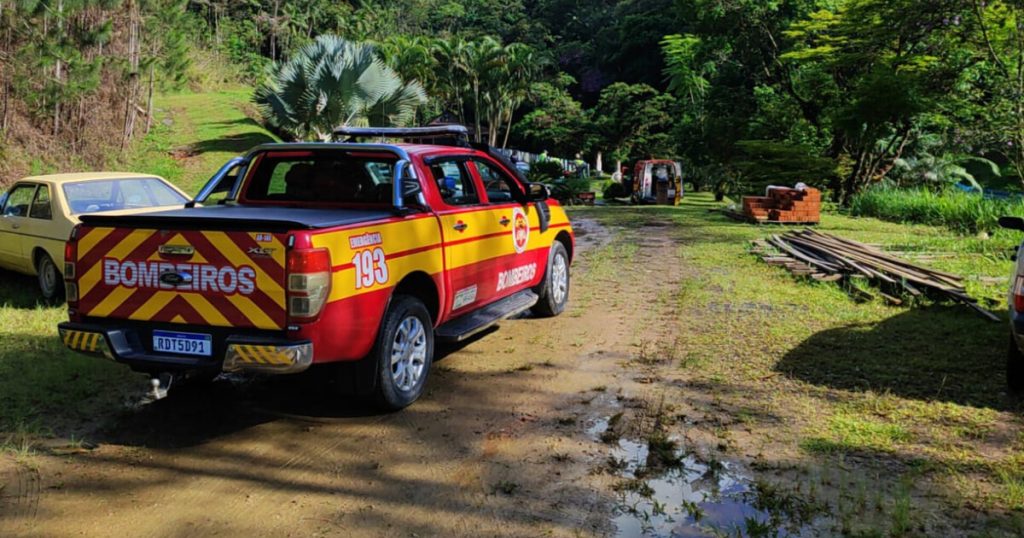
(452, 135)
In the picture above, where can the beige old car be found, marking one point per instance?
(37, 214)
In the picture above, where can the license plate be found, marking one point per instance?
(183, 343)
(671, 192)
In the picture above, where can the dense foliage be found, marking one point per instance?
(844, 94)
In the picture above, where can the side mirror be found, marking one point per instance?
(221, 182)
(406, 186)
(1012, 223)
(537, 192)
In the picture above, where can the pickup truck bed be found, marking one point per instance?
(241, 218)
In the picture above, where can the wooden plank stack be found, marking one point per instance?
(830, 258)
(790, 206)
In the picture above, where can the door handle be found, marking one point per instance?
(461, 226)
(504, 221)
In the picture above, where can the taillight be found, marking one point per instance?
(1018, 295)
(309, 283)
(70, 258)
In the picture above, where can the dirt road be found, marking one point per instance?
(499, 445)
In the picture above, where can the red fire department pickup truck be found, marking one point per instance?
(355, 253)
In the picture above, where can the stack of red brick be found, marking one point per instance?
(785, 205)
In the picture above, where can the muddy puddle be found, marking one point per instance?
(677, 494)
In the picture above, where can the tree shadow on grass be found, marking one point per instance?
(238, 143)
(19, 291)
(941, 353)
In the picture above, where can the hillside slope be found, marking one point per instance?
(195, 133)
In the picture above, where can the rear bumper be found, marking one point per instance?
(231, 352)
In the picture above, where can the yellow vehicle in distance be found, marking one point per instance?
(37, 214)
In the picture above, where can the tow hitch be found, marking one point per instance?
(160, 385)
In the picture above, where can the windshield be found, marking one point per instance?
(328, 177)
(114, 194)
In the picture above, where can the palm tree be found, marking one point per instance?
(485, 59)
(333, 82)
(452, 55)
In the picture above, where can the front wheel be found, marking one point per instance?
(1014, 367)
(403, 353)
(49, 278)
(554, 290)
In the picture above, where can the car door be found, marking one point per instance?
(470, 253)
(13, 217)
(44, 228)
(514, 227)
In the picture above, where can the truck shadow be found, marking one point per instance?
(194, 413)
(940, 353)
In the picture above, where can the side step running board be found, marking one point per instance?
(463, 327)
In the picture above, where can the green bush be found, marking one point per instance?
(567, 190)
(615, 190)
(959, 211)
(546, 171)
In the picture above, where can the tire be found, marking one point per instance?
(50, 283)
(1014, 367)
(402, 374)
(554, 290)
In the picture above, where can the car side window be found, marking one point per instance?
(455, 183)
(41, 206)
(498, 184)
(19, 200)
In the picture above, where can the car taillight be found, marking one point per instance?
(309, 283)
(70, 258)
(1018, 294)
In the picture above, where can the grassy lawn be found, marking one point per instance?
(909, 394)
(193, 135)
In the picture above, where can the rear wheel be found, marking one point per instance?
(49, 278)
(1014, 367)
(554, 290)
(403, 353)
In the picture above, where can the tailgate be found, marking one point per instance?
(222, 279)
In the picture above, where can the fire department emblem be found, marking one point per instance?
(520, 230)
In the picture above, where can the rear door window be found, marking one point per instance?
(322, 178)
(41, 207)
(455, 183)
(19, 201)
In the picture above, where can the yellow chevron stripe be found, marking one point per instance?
(91, 239)
(122, 249)
(230, 250)
(253, 356)
(178, 319)
(153, 305)
(256, 315)
(94, 341)
(111, 302)
(178, 239)
(74, 339)
(264, 355)
(206, 310)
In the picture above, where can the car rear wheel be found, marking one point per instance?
(1014, 367)
(554, 290)
(403, 353)
(50, 283)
